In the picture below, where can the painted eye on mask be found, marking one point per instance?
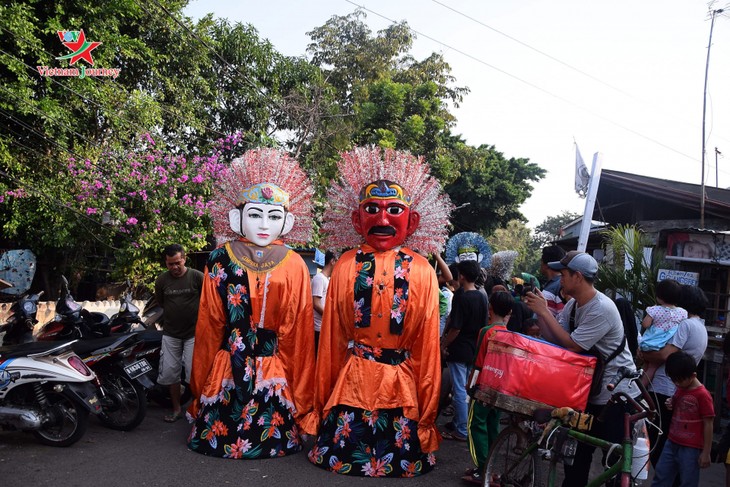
(371, 209)
(395, 210)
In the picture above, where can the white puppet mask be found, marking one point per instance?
(262, 215)
(260, 223)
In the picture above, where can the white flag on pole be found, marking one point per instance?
(582, 178)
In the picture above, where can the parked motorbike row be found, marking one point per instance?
(105, 366)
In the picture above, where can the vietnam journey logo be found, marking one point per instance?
(75, 41)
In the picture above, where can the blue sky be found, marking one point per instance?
(624, 78)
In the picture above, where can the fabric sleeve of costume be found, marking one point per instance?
(296, 343)
(334, 334)
(209, 333)
(426, 355)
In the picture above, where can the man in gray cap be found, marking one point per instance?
(589, 320)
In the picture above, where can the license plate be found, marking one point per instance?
(138, 368)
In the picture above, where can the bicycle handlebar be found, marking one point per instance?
(621, 374)
(642, 411)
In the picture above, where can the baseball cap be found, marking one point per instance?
(319, 258)
(578, 262)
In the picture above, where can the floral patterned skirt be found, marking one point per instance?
(246, 418)
(381, 443)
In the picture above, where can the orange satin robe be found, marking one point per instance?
(414, 384)
(288, 312)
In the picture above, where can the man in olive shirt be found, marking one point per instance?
(178, 292)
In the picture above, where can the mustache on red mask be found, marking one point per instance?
(382, 230)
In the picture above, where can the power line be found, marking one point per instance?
(553, 58)
(107, 111)
(39, 134)
(44, 115)
(60, 204)
(532, 85)
(563, 63)
(272, 103)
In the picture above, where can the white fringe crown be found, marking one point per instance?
(364, 165)
(263, 165)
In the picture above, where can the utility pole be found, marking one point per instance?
(713, 14)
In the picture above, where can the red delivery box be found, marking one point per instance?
(526, 367)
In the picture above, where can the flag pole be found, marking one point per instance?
(585, 225)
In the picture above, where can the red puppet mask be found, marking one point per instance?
(384, 216)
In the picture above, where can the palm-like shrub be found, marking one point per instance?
(627, 272)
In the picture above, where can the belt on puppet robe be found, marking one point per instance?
(390, 356)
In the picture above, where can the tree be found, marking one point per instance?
(187, 84)
(489, 188)
(518, 237)
(550, 228)
(386, 97)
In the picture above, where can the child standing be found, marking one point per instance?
(483, 420)
(661, 322)
(690, 432)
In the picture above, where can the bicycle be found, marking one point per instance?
(515, 458)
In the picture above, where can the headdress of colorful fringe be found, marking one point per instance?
(469, 242)
(384, 190)
(266, 176)
(265, 193)
(363, 166)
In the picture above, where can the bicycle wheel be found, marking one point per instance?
(505, 467)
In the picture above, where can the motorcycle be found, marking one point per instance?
(19, 326)
(122, 378)
(46, 391)
(72, 321)
(127, 318)
(152, 314)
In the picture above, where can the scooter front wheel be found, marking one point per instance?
(66, 420)
(124, 404)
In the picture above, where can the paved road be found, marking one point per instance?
(154, 454)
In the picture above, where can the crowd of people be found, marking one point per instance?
(352, 359)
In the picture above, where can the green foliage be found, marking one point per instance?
(549, 230)
(189, 86)
(625, 244)
(170, 86)
(518, 237)
(492, 187)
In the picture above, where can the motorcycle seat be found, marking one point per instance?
(25, 349)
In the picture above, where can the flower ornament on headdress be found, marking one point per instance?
(267, 176)
(469, 244)
(502, 264)
(363, 166)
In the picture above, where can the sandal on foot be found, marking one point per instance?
(172, 417)
(452, 435)
(474, 478)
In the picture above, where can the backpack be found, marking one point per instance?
(601, 362)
